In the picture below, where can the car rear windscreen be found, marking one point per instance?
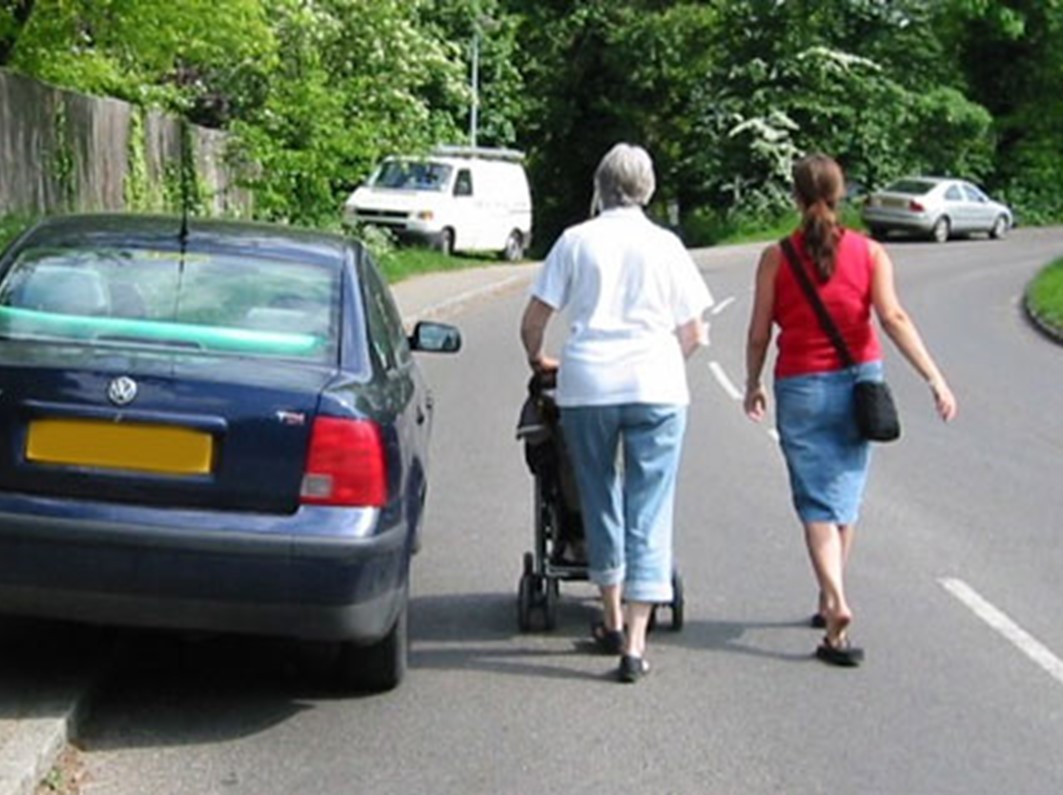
(916, 187)
(211, 302)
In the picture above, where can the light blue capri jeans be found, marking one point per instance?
(627, 504)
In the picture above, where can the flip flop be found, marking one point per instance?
(818, 621)
(842, 654)
(608, 641)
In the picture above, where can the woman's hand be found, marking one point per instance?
(542, 364)
(944, 400)
(755, 402)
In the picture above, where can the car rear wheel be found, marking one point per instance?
(1000, 228)
(379, 667)
(941, 230)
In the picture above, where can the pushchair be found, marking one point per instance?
(559, 554)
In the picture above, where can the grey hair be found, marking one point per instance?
(624, 178)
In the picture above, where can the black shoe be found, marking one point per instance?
(818, 621)
(607, 641)
(632, 669)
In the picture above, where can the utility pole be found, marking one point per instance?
(475, 80)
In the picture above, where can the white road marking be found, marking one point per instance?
(998, 620)
(724, 381)
(726, 302)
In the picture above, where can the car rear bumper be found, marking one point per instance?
(320, 573)
(883, 218)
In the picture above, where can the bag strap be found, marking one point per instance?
(825, 320)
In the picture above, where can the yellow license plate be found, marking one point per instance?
(115, 445)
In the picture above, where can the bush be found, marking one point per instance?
(11, 226)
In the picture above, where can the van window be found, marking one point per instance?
(413, 175)
(463, 183)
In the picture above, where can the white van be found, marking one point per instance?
(456, 199)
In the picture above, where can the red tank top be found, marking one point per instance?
(804, 346)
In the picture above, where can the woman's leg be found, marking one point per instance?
(592, 437)
(827, 551)
(652, 439)
(846, 532)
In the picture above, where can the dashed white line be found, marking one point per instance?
(999, 621)
(726, 302)
(724, 381)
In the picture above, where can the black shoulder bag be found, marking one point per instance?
(876, 413)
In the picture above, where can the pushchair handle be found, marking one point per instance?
(541, 381)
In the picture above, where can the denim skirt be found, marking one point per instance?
(826, 457)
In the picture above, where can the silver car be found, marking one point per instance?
(938, 207)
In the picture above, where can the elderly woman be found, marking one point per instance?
(635, 302)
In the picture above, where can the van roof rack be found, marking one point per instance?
(485, 152)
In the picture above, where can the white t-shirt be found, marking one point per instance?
(626, 284)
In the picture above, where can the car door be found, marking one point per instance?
(982, 213)
(957, 208)
(404, 392)
(467, 222)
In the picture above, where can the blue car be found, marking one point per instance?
(212, 425)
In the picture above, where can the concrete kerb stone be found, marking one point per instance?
(33, 740)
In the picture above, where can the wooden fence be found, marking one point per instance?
(61, 151)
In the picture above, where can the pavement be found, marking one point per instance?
(44, 697)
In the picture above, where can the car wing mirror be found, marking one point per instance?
(435, 337)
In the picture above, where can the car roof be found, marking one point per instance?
(204, 234)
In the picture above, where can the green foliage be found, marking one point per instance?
(137, 190)
(379, 241)
(357, 79)
(143, 50)
(11, 226)
(1044, 295)
(723, 95)
(63, 165)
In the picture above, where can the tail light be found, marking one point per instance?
(915, 206)
(346, 464)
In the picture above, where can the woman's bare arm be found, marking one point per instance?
(901, 330)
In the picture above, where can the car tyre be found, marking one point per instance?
(446, 242)
(1000, 228)
(877, 232)
(514, 250)
(941, 230)
(381, 666)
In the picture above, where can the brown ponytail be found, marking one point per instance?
(819, 184)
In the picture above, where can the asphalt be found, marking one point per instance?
(42, 705)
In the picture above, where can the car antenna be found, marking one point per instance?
(183, 234)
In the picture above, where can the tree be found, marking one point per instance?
(13, 17)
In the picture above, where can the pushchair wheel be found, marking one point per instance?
(551, 594)
(525, 597)
(677, 605)
(536, 592)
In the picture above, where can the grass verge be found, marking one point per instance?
(1044, 296)
(401, 263)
